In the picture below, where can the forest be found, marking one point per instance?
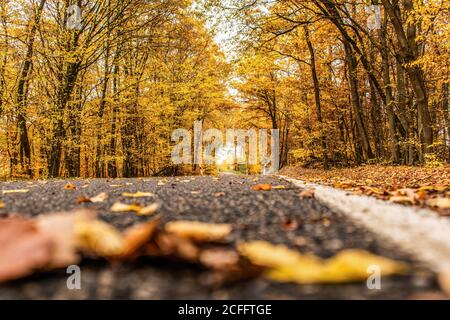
(95, 88)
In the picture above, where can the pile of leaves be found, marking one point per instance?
(58, 240)
(419, 186)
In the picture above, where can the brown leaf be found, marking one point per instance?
(290, 224)
(23, 249)
(308, 194)
(137, 237)
(174, 247)
(262, 187)
(70, 186)
(219, 194)
(83, 199)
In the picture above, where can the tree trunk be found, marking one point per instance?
(316, 83)
(356, 103)
(21, 97)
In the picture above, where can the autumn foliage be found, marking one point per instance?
(101, 98)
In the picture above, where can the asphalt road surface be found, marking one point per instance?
(254, 216)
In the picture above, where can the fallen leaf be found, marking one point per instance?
(174, 247)
(219, 194)
(60, 227)
(98, 237)
(308, 194)
(199, 231)
(136, 237)
(219, 258)
(138, 194)
(286, 265)
(290, 224)
(262, 187)
(195, 192)
(100, 197)
(70, 186)
(15, 191)
(83, 199)
(149, 210)
(402, 200)
(23, 249)
(122, 207)
(2, 205)
(279, 187)
(440, 203)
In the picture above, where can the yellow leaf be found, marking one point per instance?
(122, 207)
(199, 231)
(138, 194)
(286, 265)
(2, 205)
(15, 191)
(440, 203)
(279, 187)
(99, 237)
(149, 210)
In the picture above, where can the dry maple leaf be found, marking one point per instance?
(286, 265)
(23, 249)
(308, 194)
(262, 187)
(138, 194)
(199, 231)
(70, 186)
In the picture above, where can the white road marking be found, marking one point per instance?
(420, 232)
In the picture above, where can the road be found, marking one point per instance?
(254, 216)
